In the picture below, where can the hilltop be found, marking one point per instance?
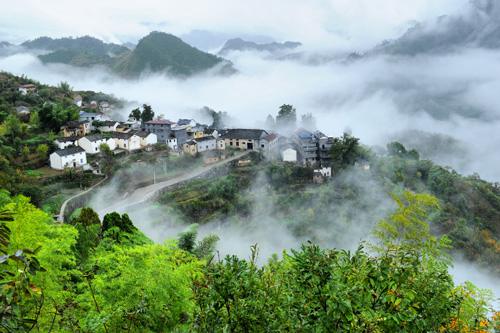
(158, 52)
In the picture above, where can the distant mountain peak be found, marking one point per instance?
(239, 44)
(160, 51)
(479, 27)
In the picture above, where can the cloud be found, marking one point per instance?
(378, 97)
(330, 23)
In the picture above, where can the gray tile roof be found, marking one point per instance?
(94, 137)
(69, 151)
(240, 133)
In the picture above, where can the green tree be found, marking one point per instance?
(25, 152)
(147, 113)
(141, 289)
(135, 114)
(42, 151)
(345, 151)
(108, 161)
(287, 116)
(66, 89)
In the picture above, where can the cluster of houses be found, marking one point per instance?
(185, 136)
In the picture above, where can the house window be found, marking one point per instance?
(95, 148)
(262, 146)
(237, 143)
(231, 143)
(81, 161)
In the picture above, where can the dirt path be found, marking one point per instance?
(146, 193)
(60, 217)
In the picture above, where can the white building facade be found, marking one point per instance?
(72, 157)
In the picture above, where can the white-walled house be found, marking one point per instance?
(71, 157)
(221, 144)
(205, 143)
(128, 141)
(26, 89)
(106, 126)
(147, 138)
(91, 143)
(172, 143)
(111, 144)
(63, 143)
(90, 116)
(325, 172)
(289, 155)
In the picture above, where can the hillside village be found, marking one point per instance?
(95, 131)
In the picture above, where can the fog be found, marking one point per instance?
(443, 103)
(378, 97)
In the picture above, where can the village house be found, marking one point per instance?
(172, 143)
(91, 143)
(200, 145)
(127, 141)
(181, 135)
(76, 128)
(26, 89)
(190, 148)
(78, 100)
(104, 106)
(91, 116)
(245, 139)
(221, 144)
(320, 175)
(313, 147)
(147, 139)
(63, 142)
(71, 157)
(106, 125)
(186, 122)
(161, 127)
(289, 155)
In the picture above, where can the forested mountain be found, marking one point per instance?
(104, 275)
(157, 52)
(160, 52)
(479, 27)
(82, 51)
(238, 44)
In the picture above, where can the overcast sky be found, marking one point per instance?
(326, 23)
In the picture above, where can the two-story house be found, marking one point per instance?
(76, 128)
(71, 157)
(161, 127)
(91, 143)
(245, 139)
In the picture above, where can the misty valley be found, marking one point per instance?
(309, 177)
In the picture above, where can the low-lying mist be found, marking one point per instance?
(443, 105)
(378, 98)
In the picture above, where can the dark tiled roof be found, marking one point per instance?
(94, 137)
(69, 151)
(182, 122)
(74, 124)
(122, 135)
(159, 122)
(107, 123)
(271, 137)
(67, 139)
(142, 134)
(239, 133)
(205, 138)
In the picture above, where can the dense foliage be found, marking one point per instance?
(158, 52)
(126, 283)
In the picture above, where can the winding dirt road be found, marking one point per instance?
(143, 194)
